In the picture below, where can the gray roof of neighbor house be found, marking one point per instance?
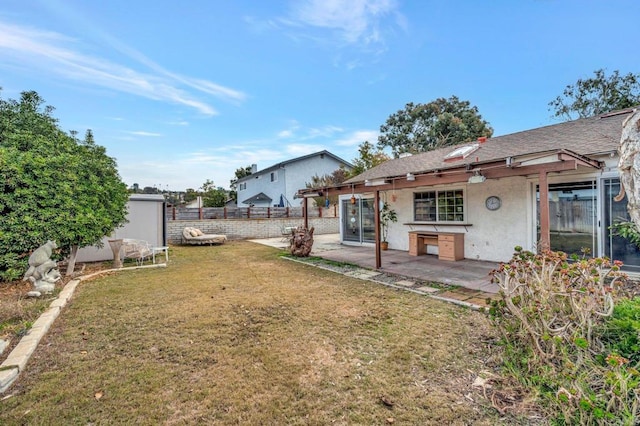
(295, 160)
(585, 137)
(261, 196)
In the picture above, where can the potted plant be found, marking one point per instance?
(387, 215)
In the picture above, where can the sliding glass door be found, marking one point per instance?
(572, 217)
(616, 247)
(358, 220)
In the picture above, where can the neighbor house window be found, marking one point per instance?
(274, 176)
(439, 206)
(243, 186)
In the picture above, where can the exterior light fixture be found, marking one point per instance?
(411, 177)
(477, 178)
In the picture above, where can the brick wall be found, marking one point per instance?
(249, 228)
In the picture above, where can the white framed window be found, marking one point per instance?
(439, 206)
(274, 176)
(243, 186)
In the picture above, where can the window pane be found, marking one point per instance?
(424, 206)
(439, 206)
(451, 206)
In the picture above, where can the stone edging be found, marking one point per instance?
(17, 360)
(469, 305)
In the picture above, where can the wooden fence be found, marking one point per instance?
(183, 213)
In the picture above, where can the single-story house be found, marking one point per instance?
(552, 186)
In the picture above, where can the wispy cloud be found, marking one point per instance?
(179, 123)
(300, 133)
(54, 53)
(357, 137)
(146, 134)
(353, 22)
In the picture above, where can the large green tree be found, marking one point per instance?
(370, 156)
(424, 127)
(233, 183)
(54, 186)
(213, 196)
(597, 95)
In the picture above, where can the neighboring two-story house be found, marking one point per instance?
(277, 185)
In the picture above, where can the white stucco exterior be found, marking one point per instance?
(490, 235)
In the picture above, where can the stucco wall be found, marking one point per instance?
(249, 228)
(488, 235)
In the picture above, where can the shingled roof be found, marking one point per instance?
(585, 137)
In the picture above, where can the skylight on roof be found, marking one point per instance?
(462, 152)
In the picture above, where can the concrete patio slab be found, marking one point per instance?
(467, 273)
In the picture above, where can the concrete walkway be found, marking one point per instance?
(470, 278)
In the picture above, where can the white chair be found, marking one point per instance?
(136, 249)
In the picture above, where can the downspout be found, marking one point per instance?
(376, 202)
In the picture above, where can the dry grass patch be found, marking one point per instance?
(235, 335)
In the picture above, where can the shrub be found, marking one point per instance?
(553, 313)
(621, 332)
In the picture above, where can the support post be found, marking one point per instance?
(545, 234)
(376, 202)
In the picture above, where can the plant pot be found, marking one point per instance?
(384, 245)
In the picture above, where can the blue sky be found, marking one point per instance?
(182, 92)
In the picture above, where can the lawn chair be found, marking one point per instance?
(136, 249)
(287, 233)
